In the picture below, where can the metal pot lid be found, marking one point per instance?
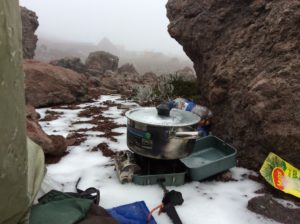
(149, 115)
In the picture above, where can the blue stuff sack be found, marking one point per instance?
(135, 213)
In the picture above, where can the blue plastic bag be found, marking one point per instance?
(135, 213)
(190, 105)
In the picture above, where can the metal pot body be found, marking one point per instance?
(159, 142)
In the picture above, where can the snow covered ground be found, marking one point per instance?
(204, 202)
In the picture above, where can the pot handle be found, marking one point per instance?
(187, 134)
(163, 110)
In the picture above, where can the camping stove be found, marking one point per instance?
(164, 147)
(210, 156)
(141, 170)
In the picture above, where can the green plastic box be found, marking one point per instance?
(210, 156)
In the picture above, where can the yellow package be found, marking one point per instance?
(281, 175)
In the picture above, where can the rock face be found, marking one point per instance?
(72, 63)
(247, 60)
(47, 85)
(99, 62)
(54, 146)
(29, 25)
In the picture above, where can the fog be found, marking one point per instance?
(137, 25)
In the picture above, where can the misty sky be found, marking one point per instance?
(136, 24)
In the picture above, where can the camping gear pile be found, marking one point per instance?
(168, 149)
(83, 208)
(165, 145)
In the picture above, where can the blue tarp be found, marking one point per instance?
(135, 213)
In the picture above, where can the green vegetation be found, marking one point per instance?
(168, 87)
(183, 88)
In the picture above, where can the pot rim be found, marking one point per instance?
(193, 121)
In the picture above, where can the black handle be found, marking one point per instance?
(172, 213)
(170, 200)
(163, 110)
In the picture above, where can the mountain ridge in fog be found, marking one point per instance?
(144, 61)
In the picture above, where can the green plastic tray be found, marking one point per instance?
(210, 156)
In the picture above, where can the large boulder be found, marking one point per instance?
(54, 146)
(29, 25)
(72, 63)
(100, 61)
(127, 68)
(47, 85)
(247, 60)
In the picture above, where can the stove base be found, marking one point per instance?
(141, 170)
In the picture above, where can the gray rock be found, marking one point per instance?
(29, 25)
(98, 62)
(72, 63)
(266, 205)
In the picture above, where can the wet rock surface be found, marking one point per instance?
(266, 205)
(29, 25)
(246, 56)
(48, 85)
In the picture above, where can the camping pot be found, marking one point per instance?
(161, 133)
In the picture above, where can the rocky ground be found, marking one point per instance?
(95, 131)
(69, 81)
(247, 63)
